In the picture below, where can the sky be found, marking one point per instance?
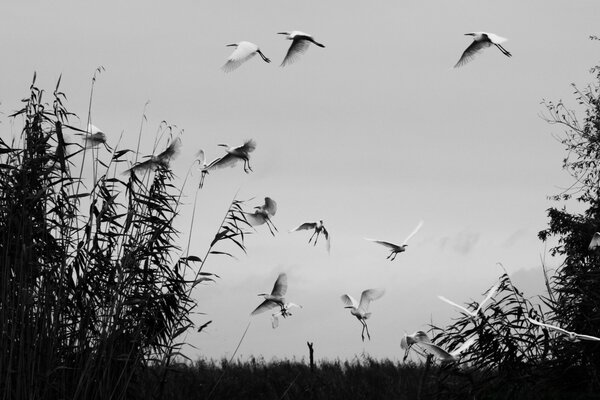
(371, 134)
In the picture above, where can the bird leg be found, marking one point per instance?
(270, 225)
(247, 166)
(503, 50)
(316, 238)
(367, 329)
(313, 235)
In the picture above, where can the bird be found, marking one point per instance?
(444, 355)
(242, 53)
(474, 314)
(408, 340)
(595, 242)
(359, 310)
(284, 312)
(276, 298)
(319, 229)
(201, 160)
(300, 43)
(262, 214)
(234, 154)
(396, 249)
(93, 137)
(571, 336)
(163, 159)
(481, 40)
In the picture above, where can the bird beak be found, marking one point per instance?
(282, 33)
(223, 145)
(469, 34)
(231, 45)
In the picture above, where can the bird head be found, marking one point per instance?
(284, 33)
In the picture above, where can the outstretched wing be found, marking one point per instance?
(587, 337)
(299, 46)
(280, 286)
(556, 328)
(437, 351)
(471, 51)
(305, 226)
(389, 245)
(248, 147)
(455, 305)
(490, 294)
(255, 218)
(264, 306)
(327, 239)
(228, 160)
(368, 296)
(463, 347)
(270, 206)
(349, 300)
(419, 225)
(240, 55)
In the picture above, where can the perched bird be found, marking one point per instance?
(275, 298)
(300, 43)
(318, 229)
(262, 214)
(242, 53)
(359, 310)
(284, 312)
(571, 336)
(163, 159)
(481, 40)
(234, 154)
(408, 340)
(395, 248)
(595, 242)
(444, 355)
(474, 314)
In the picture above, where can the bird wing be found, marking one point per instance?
(349, 300)
(274, 321)
(327, 239)
(490, 294)
(368, 296)
(255, 218)
(404, 342)
(419, 225)
(384, 243)
(264, 306)
(280, 286)
(463, 347)
(533, 321)
(149, 164)
(228, 160)
(305, 226)
(471, 51)
(495, 38)
(240, 55)
(248, 147)
(299, 46)
(270, 206)
(201, 158)
(455, 305)
(595, 241)
(587, 337)
(437, 351)
(290, 305)
(171, 151)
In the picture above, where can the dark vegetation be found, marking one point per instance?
(95, 294)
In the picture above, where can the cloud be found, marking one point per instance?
(515, 237)
(463, 242)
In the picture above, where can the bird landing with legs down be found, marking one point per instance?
(262, 215)
(233, 156)
(319, 228)
(360, 310)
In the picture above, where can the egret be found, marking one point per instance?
(162, 159)
(242, 53)
(571, 336)
(359, 310)
(234, 154)
(444, 355)
(595, 242)
(262, 214)
(474, 314)
(318, 229)
(300, 43)
(284, 312)
(93, 137)
(395, 249)
(201, 160)
(408, 340)
(275, 298)
(481, 40)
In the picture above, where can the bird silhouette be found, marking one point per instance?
(300, 43)
(395, 249)
(319, 228)
(242, 53)
(481, 40)
(360, 310)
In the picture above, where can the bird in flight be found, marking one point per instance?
(395, 248)
(262, 215)
(474, 314)
(300, 43)
(162, 159)
(408, 340)
(571, 336)
(360, 310)
(319, 228)
(94, 137)
(275, 298)
(444, 355)
(481, 40)
(595, 242)
(242, 53)
(284, 312)
(233, 156)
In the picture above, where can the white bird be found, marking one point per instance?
(300, 43)
(284, 312)
(395, 249)
(595, 242)
(201, 160)
(234, 154)
(276, 298)
(474, 314)
(162, 159)
(408, 340)
(262, 214)
(571, 336)
(444, 355)
(360, 310)
(242, 53)
(319, 228)
(93, 137)
(481, 40)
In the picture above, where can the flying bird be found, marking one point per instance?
(481, 40)
(360, 310)
(595, 242)
(474, 314)
(262, 215)
(395, 248)
(163, 159)
(201, 160)
(571, 336)
(242, 53)
(300, 43)
(319, 228)
(275, 298)
(408, 340)
(93, 137)
(233, 156)
(284, 312)
(444, 355)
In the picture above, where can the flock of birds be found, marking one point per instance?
(263, 214)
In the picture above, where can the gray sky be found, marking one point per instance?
(371, 134)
